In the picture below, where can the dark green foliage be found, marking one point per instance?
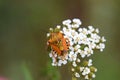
(50, 72)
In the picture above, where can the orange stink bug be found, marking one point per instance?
(58, 43)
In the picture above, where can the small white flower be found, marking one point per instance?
(86, 71)
(60, 62)
(101, 46)
(66, 22)
(71, 48)
(77, 21)
(95, 38)
(74, 64)
(91, 45)
(76, 39)
(82, 36)
(72, 69)
(74, 25)
(90, 62)
(88, 55)
(88, 50)
(97, 30)
(73, 33)
(103, 39)
(86, 77)
(76, 47)
(78, 51)
(50, 55)
(85, 31)
(93, 76)
(53, 64)
(83, 54)
(51, 29)
(72, 56)
(81, 69)
(64, 29)
(78, 60)
(58, 26)
(48, 34)
(95, 69)
(91, 29)
(77, 75)
(80, 30)
(67, 32)
(64, 62)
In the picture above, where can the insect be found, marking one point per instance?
(58, 43)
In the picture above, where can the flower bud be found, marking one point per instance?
(85, 63)
(93, 69)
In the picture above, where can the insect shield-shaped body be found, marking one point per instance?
(58, 43)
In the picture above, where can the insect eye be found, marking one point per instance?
(55, 52)
(52, 50)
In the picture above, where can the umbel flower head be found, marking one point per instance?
(71, 43)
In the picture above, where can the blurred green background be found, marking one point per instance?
(23, 28)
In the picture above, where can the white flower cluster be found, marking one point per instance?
(82, 43)
(86, 70)
(82, 40)
(58, 60)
